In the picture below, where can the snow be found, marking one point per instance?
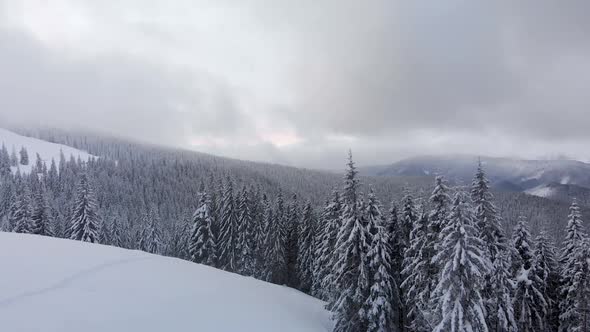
(565, 180)
(541, 191)
(60, 285)
(46, 150)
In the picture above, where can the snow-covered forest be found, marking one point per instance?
(383, 255)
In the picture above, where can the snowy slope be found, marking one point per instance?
(49, 284)
(46, 150)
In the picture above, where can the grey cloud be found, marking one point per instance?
(114, 94)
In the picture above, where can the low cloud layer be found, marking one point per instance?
(301, 82)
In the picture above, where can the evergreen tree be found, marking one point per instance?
(464, 263)
(329, 225)
(84, 218)
(497, 287)
(440, 202)
(379, 307)
(24, 156)
(570, 263)
(577, 316)
(104, 232)
(22, 211)
(40, 217)
(397, 247)
(245, 234)
(352, 268)
(13, 158)
(417, 275)
(228, 241)
(546, 269)
(305, 257)
(276, 239)
(5, 171)
(202, 243)
(530, 307)
(291, 227)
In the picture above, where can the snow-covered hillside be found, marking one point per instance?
(46, 150)
(49, 284)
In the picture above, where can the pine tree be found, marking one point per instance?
(577, 318)
(464, 263)
(546, 269)
(417, 275)
(22, 211)
(352, 268)
(24, 156)
(202, 243)
(245, 234)
(228, 241)
(571, 264)
(325, 259)
(276, 266)
(13, 158)
(440, 202)
(497, 289)
(397, 245)
(5, 170)
(84, 218)
(379, 306)
(40, 217)
(151, 236)
(530, 307)
(291, 227)
(305, 256)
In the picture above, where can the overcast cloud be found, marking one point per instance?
(299, 82)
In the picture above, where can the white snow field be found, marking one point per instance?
(49, 284)
(46, 150)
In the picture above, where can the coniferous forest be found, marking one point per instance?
(438, 259)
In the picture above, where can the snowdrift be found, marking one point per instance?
(49, 284)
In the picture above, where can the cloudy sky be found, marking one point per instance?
(299, 82)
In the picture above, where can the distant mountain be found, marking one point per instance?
(562, 192)
(504, 173)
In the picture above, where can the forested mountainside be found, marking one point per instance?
(142, 176)
(379, 266)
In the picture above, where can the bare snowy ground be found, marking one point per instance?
(49, 284)
(46, 150)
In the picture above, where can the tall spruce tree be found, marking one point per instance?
(305, 257)
(329, 225)
(276, 238)
(546, 269)
(497, 289)
(530, 307)
(245, 234)
(459, 305)
(21, 211)
(571, 263)
(40, 218)
(352, 267)
(379, 308)
(228, 240)
(202, 243)
(292, 227)
(84, 218)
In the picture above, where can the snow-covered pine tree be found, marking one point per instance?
(329, 225)
(497, 288)
(291, 226)
(459, 305)
(13, 158)
(152, 236)
(260, 236)
(22, 210)
(352, 267)
(577, 318)
(5, 171)
(546, 269)
(440, 203)
(228, 240)
(84, 218)
(379, 308)
(396, 246)
(276, 266)
(530, 307)
(245, 240)
(104, 232)
(202, 243)
(24, 156)
(572, 252)
(305, 256)
(417, 276)
(40, 218)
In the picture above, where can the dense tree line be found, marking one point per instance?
(438, 262)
